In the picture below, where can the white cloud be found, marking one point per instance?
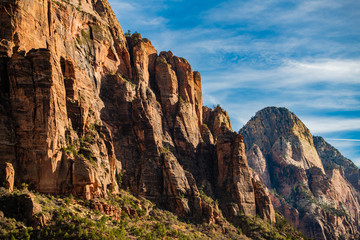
(122, 5)
(291, 74)
(343, 139)
(308, 11)
(293, 85)
(153, 21)
(323, 70)
(321, 125)
(264, 14)
(136, 15)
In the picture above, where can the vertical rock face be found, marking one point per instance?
(32, 92)
(52, 67)
(83, 106)
(237, 187)
(311, 188)
(258, 162)
(165, 150)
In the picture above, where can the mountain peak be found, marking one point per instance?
(274, 122)
(280, 148)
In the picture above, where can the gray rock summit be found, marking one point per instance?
(313, 185)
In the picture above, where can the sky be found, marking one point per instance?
(300, 54)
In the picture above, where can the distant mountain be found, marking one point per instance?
(313, 185)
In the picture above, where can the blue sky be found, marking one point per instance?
(303, 55)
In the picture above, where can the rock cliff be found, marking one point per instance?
(53, 54)
(333, 159)
(313, 186)
(86, 110)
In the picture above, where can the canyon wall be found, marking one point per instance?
(86, 110)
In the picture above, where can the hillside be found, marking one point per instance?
(31, 215)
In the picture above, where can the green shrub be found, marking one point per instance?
(128, 33)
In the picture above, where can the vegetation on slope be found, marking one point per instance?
(31, 215)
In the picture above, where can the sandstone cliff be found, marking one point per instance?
(53, 55)
(85, 108)
(313, 187)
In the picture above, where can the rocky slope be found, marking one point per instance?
(29, 215)
(85, 109)
(333, 159)
(312, 184)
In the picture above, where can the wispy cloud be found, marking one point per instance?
(291, 74)
(344, 140)
(317, 84)
(123, 5)
(321, 125)
(263, 14)
(153, 21)
(134, 15)
(323, 70)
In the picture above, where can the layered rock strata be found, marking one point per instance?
(310, 185)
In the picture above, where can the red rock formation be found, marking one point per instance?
(84, 106)
(109, 210)
(53, 73)
(235, 182)
(7, 176)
